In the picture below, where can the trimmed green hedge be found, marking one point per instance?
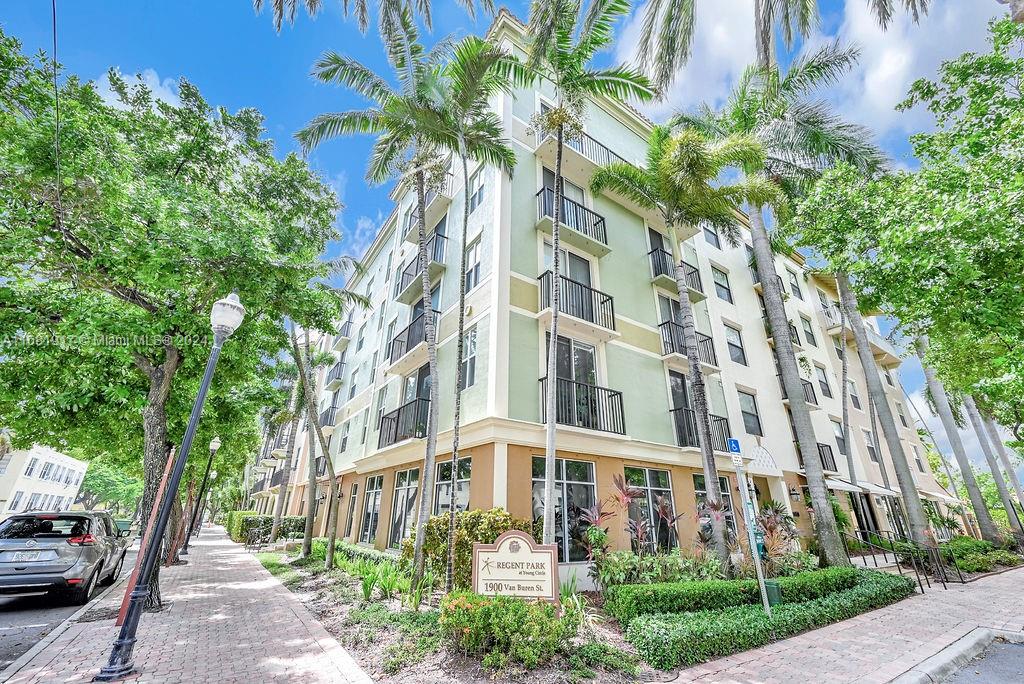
(350, 551)
(238, 524)
(233, 524)
(667, 641)
(627, 601)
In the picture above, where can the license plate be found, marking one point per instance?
(25, 556)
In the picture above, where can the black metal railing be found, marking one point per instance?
(663, 265)
(685, 421)
(345, 330)
(336, 373)
(408, 421)
(321, 466)
(584, 405)
(673, 342)
(810, 396)
(409, 337)
(328, 416)
(825, 455)
(793, 336)
(591, 149)
(573, 214)
(279, 477)
(282, 436)
(259, 485)
(436, 246)
(579, 300)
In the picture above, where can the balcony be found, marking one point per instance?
(321, 466)
(881, 348)
(408, 421)
(409, 285)
(581, 227)
(408, 350)
(810, 396)
(342, 338)
(586, 406)
(280, 442)
(757, 281)
(685, 421)
(663, 274)
(794, 336)
(334, 376)
(437, 202)
(584, 311)
(673, 346)
(279, 478)
(327, 419)
(828, 459)
(258, 486)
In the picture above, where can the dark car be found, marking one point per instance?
(61, 552)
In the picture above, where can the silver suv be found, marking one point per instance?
(62, 552)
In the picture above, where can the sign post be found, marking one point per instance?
(514, 565)
(750, 518)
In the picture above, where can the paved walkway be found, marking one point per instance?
(879, 646)
(229, 621)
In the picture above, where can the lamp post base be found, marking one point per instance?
(113, 674)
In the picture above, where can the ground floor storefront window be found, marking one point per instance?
(443, 486)
(703, 514)
(371, 509)
(403, 508)
(575, 491)
(652, 511)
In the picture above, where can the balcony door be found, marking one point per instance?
(417, 385)
(576, 295)
(435, 300)
(682, 412)
(570, 190)
(576, 394)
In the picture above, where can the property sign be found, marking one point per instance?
(516, 566)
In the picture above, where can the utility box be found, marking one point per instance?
(774, 592)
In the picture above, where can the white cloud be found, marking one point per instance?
(356, 242)
(339, 182)
(163, 89)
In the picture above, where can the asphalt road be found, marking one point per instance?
(1000, 663)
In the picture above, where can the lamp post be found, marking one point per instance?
(206, 503)
(225, 318)
(214, 445)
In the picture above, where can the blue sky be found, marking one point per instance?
(237, 60)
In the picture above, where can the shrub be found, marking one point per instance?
(1004, 557)
(503, 629)
(625, 567)
(627, 601)
(471, 527)
(958, 547)
(350, 551)
(974, 562)
(234, 524)
(797, 561)
(666, 641)
(595, 655)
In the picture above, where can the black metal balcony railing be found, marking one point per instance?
(583, 405)
(259, 485)
(685, 421)
(593, 150)
(810, 396)
(663, 265)
(279, 477)
(573, 215)
(794, 337)
(673, 342)
(283, 433)
(328, 416)
(409, 337)
(828, 459)
(321, 466)
(436, 246)
(408, 421)
(444, 189)
(579, 300)
(345, 330)
(336, 373)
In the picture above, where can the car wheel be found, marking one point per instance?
(115, 574)
(81, 596)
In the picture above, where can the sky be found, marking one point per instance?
(237, 60)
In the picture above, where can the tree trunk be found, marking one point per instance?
(293, 430)
(938, 392)
(763, 30)
(831, 544)
(430, 333)
(551, 384)
(851, 463)
(997, 475)
(993, 434)
(311, 480)
(920, 532)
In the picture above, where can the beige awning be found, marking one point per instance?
(938, 496)
(872, 488)
(842, 485)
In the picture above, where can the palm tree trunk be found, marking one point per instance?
(997, 475)
(275, 527)
(763, 30)
(449, 575)
(993, 434)
(551, 388)
(920, 532)
(311, 484)
(938, 392)
(831, 544)
(427, 476)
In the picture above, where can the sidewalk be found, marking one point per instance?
(879, 646)
(229, 621)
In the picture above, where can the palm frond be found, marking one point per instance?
(884, 10)
(332, 67)
(740, 150)
(333, 124)
(628, 181)
(617, 83)
(598, 25)
(795, 17)
(822, 134)
(819, 69)
(666, 38)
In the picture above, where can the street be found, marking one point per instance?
(999, 663)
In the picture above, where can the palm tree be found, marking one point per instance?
(408, 145)
(993, 434)
(476, 71)
(989, 532)
(562, 54)
(1004, 493)
(317, 362)
(677, 182)
(282, 10)
(292, 416)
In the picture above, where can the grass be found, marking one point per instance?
(418, 633)
(597, 656)
(279, 567)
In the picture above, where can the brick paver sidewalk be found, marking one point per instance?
(881, 645)
(229, 621)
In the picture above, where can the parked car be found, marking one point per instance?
(62, 552)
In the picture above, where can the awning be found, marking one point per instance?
(872, 488)
(939, 496)
(842, 485)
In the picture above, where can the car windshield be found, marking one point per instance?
(44, 527)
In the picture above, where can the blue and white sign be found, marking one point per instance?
(734, 446)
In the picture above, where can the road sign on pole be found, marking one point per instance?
(750, 518)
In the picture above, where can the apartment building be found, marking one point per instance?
(38, 479)
(624, 409)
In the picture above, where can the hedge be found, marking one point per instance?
(667, 641)
(238, 524)
(233, 523)
(627, 601)
(351, 551)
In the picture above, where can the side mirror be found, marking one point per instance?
(124, 533)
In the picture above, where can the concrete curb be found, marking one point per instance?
(953, 657)
(41, 645)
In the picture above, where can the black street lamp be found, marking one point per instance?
(214, 445)
(225, 318)
(206, 504)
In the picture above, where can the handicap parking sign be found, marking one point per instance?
(734, 446)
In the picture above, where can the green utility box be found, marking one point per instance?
(774, 592)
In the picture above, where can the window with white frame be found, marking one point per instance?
(826, 388)
(837, 344)
(468, 359)
(359, 337)
(899, 412)
(869, 439)
(371, 508)
(794, 284)
(734, 341)
(354, 383)
(854, 397)
(47, 469)
(382, 395)
(353, 494)
(473, 265)
(575, 491)
(711, 236)
(33, 502)
(701, 495)
(751, 417)
(4, 461)
(15, 501)
(475, 191)
(654, 510)
(443, 485)
(31, 467)
(837, 429)
(722, 288)
(403, 507)
(809, 331)
(366, 424)
(917, 458)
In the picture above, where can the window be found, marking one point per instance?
(373, 363)
(354, 380)
(734, 342)
(391, 330)
(403, 509)
(837, 429)
(33, 501)
(899, 412)
(382, 395)
(366, 424)
(823, 299)
(854, 399)
(721, 279)
(575, 491)
(751, 418)
(701, 495)
(653, 509)
(809, 331)
(443, 486)
(47, 469)
(711, 235)
(371, 508)
(837, 343)
(475, 192)
(794, 284)
(31, 467)
(917, 458)
(888, 377)
(826, 389)
(468, 359)
(16, 501)
(872, 449)
(473, 265)
(351, 509)
(359, 337)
